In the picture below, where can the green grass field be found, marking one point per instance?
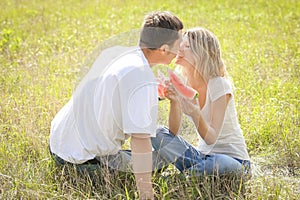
(44, 45)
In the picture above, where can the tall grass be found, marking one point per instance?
(44, 44)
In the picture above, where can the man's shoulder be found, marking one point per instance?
(132, 62)
(131, 57)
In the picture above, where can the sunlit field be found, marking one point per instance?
(44, 48)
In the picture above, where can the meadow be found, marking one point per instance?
(44, 46)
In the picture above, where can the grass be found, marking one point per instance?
(43, 48)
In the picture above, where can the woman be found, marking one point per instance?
(221, 148)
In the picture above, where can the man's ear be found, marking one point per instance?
(164, 48)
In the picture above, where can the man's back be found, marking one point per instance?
(94, 121)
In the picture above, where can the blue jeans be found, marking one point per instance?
(174, 149)
(119, 162)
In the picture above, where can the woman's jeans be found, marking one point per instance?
(174, 149)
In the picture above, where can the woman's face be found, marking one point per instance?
(185, 56)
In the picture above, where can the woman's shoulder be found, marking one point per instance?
(219, 81)
(219, 86)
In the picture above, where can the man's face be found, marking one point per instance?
(174, 50)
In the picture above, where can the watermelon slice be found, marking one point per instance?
(161, 90)
(161, 85)
(182, 88)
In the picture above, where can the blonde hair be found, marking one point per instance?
(207, 54)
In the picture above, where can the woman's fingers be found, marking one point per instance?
(171, 93)
(188, 106)
(167, 82)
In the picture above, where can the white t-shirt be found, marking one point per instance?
(231, 140)
(106, 109)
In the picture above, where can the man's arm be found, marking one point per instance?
(142, 164)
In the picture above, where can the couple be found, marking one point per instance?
(122, 102)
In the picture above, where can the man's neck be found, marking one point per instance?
(151, 56)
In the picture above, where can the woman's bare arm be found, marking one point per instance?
(209, 132)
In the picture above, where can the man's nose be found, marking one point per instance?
(180, 50)
(181, 45)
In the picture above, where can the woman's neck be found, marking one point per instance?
(197, 81)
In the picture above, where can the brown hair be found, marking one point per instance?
(159, 28)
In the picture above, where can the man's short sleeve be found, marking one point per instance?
(139, 102)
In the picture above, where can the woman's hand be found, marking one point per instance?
(190, 107)
(175, 108)
(171, 92)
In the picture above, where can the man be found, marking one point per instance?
(118, 102)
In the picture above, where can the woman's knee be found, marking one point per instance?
(227, 164)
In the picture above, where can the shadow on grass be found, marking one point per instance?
(104, 183)
(174, 185)
(93, 182)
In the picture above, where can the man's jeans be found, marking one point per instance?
(120, 162)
